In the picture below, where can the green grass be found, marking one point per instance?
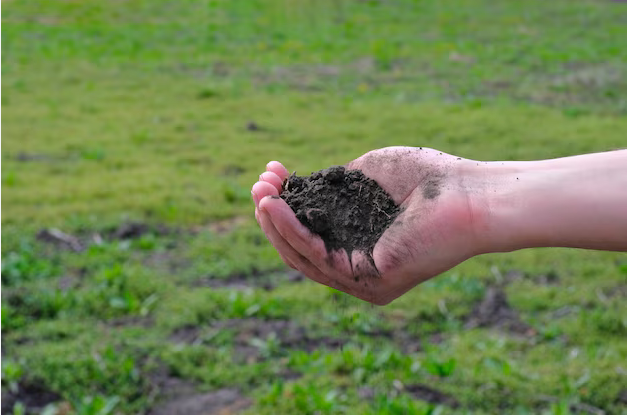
(138, 111)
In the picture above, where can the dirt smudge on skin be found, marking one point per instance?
(431, 187)
(387, 163)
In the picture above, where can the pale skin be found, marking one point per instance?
(454, 209)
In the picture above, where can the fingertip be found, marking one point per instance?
(263, 189)
(278, 169)
(272, 178)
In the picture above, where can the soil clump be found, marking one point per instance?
(344, 207)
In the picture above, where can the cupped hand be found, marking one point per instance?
(436, 230)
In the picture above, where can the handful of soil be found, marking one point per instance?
(348, 210)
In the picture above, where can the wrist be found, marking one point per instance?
(494, 200)
(509, 200)
(568, 202)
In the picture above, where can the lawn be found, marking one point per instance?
(135, 279)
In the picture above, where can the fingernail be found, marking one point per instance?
(255, 198)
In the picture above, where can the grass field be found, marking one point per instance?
(136, 129)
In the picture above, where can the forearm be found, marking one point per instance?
(578, 202)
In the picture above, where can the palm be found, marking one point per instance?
(435, 217)
(417, 246)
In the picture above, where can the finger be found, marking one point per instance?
(273, 179)
(299, 237)
(364, 270)
(283, 257)
(286, 251)
(278, 169)
(368, 283)
(335, 263)
(261, 190)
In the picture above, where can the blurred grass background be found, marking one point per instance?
(137, 127)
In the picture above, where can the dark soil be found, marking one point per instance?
(61, 239)
(222, 401)
(33, 395)
(133, 230)
(290, 336)
(348, 210)
(550, 278)
(178, 396)
(85, 238)
(265, 280)
(619, 290)
(431, 395)
(495, 311)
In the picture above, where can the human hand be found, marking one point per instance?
(435, 231)
(453, 209)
